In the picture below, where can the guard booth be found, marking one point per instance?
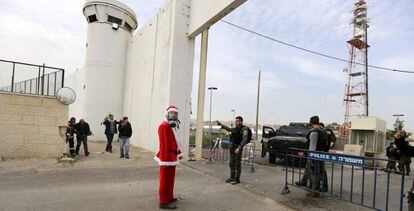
(370, 134)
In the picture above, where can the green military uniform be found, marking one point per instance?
(239, 138)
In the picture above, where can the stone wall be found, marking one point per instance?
(29, 126)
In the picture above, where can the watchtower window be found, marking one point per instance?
(127, 27)
(113, 19)
(92, 18)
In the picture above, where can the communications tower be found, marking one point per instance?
(356, 88)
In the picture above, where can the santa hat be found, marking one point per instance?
(172, 108)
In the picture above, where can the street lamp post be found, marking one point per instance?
(234, 116)
(211, 99)
(398, 122)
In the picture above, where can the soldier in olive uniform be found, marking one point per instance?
(240, 136)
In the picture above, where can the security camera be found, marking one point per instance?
(115, 26)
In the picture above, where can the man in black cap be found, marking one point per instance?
(318, 141)
(240, 136)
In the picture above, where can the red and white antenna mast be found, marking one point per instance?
(356, 88)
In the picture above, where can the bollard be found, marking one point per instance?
(210, 159)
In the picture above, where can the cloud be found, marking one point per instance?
(54, 32)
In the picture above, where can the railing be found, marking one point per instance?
(219, 151)
(19, 77)
(348, 178)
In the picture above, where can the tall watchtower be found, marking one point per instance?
(110, 28)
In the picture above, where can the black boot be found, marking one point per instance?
(300, 183)
(168, 207)
(237, 180)
(229, 180)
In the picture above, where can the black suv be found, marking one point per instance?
(277, 142)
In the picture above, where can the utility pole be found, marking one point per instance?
(257, 106)
(234, 116)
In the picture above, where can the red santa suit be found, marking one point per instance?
(167, 158)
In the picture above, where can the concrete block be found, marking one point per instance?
(49, 130)
(34, 139)
(27, 120)
(10, 99)
(10, 138)
(22, 109)
(353, 149)
(10, 118)
(51, 102)
(31, 101)
(45, 120)
(26, 129)
(54, 139)
(6, 128)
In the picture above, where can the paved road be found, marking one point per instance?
(268, 180)
(106, 182)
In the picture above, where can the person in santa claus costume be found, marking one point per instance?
(168, 157)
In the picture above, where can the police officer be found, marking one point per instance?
(331, 139)
(239, 137)
(318, 141)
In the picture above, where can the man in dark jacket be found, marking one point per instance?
(318, 141)
(239, 137)
(407, 151)
(110, 130)
(82, 132)
(125, 133)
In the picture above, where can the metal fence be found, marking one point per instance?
(19, 77)
(219, 152)
(350, 178)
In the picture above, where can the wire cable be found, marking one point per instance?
(312, 51)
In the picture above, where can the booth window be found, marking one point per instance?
(127, 27)
(92, 18)
(113, 19)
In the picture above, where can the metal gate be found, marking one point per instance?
(354, 179)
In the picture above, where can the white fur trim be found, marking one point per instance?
(166, 163)
(172, 110)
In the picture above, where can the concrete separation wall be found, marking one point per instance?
(159, 73)
(29, 126)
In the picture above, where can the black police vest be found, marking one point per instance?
(322, 144)
(236, 136)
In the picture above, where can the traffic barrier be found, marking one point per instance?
(349, 178)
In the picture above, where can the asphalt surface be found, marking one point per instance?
(269, 179)
(103, 181)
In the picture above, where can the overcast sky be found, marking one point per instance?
(295, 85)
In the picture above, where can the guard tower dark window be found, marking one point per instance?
(92, 18)
(113, 19)
(127, 27)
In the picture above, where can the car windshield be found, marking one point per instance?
(293, 131)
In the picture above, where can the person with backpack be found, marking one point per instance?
(239, 137)
(318, 141)
(330, 141)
